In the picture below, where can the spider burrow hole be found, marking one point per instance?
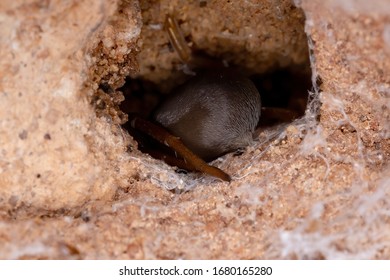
(266, 43)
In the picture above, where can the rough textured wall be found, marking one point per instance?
(54, 153)
(308, 190)
(259, 36)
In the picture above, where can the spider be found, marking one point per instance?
(213, 113)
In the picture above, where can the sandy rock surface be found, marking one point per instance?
(73, 184)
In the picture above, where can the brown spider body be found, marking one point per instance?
(213, 113)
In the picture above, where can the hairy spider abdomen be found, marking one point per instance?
(213, 113)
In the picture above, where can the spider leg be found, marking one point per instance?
(177, 39)
(186, 54)
(171, 160)
(164, 137)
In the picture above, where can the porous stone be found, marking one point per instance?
(76, 183)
